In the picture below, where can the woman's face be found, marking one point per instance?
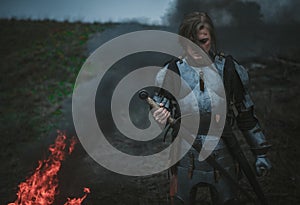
(204, 39)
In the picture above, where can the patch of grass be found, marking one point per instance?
(39, 64)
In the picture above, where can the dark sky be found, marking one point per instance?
(149, 11)
(223, 12)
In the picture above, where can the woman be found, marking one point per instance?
(190, 173)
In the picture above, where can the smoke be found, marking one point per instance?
(246, 28)
(223, 12)
(237, 12)
(245, 13)
(280, 12)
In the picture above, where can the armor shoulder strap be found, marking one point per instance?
(244, 79)
(236, 82)
(162, 74)
(242, 72)
(172, 65)
(228, 78)
(235, 79)
(167, 80)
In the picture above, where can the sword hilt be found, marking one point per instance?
(144, 95)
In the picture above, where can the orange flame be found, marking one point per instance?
(79, 200)
(41, 187)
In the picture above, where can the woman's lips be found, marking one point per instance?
(204, 40)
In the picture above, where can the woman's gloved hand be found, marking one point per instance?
(262, 165)
(161, 114)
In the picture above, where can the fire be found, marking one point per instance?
(42, 186)
(79, 200)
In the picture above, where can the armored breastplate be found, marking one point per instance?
(206, 92)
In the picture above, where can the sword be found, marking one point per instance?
(144, 95)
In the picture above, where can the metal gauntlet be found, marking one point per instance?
(161, 99)
(257, 141)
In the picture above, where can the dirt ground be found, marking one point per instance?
(35, 102)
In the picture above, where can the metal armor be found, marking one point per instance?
(249, 125)
(192, 173)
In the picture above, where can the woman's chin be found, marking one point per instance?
(196, 57)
